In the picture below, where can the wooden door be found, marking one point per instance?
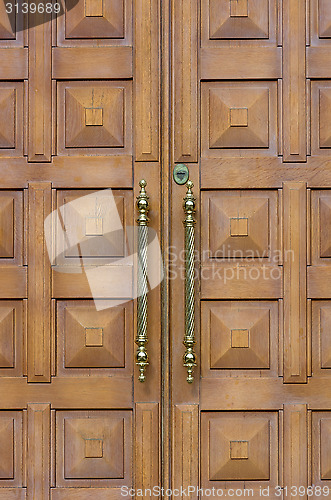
(251, 119)
(80, 107)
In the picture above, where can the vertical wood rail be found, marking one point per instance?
(40, 88)
(186, 447)
(185, 78)
(294, 81)
(295, 282)
(39, 285)
(38, 460)
(147, 80)
(295, 447)
(147, 461)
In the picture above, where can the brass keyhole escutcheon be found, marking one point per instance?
(181, 174)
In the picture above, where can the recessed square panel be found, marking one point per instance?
(320, 17)
(320, 109)
(92, 342)
(93, 448)
(11, 125)
(250, 21)
(239, 336)
(11, 338)
(239, 446)
(11, 227)
(239, 19)
(239, 225)
(321, 337)
(321, 445)
(11, 24)
(239, 117)
(321, 227)
(94, 117)
(93, 226)
(86, 22)
(11, 446)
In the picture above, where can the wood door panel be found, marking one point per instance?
(90, 342)
(93, 448)
(239, 119)
(245, 20)
(239, 339)
(11, 108)
(80, 107)
(12, 336)
(240, 447)
(11, 439)
(94, 117)
(262, 339)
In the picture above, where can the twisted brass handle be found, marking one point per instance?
(142, 339)
(189, 338)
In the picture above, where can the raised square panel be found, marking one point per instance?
(239, 446)
(94, 8)
(11, 448)
(98, 227)
(253, 21)
(11, 338)
(11, 227)
(94, 117)
(92, 342)
(239, 450)
(88, 21)
(321, 445)
(93, 337)
(239, 225)
(239, 118)
(238, 8)
(239, 336)
(11, 125)
(321, 227)
(93, 448)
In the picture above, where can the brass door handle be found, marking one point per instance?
(189, 357)
(142, 339)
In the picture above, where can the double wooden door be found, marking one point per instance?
(105, 94)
